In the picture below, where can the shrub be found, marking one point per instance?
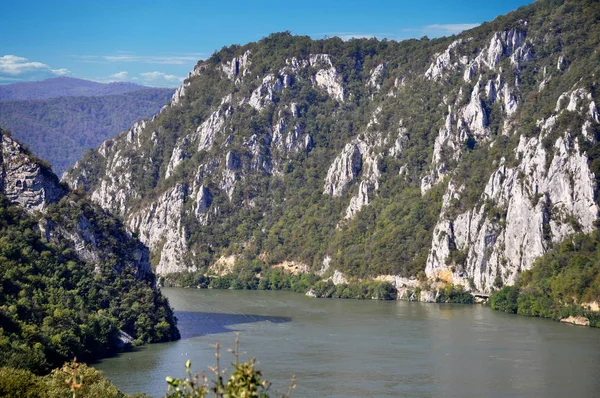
(244, 381)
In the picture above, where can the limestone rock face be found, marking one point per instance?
(540, 205)
(177, 157)
(377, 76)
(160, 227)
(203, 201)
(338, 278)
(344, 169)
(328, 77)
(370, 173)
(473, 115)
(115, 191)
(263, 94)
(206, 132)
(447, 61)
(329, 80)
(509, 43)
(237, 66)
(24, 181)
(178, 95)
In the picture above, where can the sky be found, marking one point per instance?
(156, 43)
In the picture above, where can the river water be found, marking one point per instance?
(354, 348)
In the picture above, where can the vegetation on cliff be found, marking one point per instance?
(54, 307)
(564, 282)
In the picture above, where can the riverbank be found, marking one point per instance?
(338, 286)
(314, 285)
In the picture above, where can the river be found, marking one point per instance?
(354, 348)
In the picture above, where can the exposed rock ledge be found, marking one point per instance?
(577, 320)
(223, 266)
(293, 267)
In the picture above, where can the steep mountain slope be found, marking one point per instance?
(63, 87)
(73, 281)
(61, 130)
(461, 159)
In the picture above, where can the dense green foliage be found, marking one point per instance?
(358, 290)
(284, 215)
(71, 380)
(454, 294)
(54, 307)
(560, 284)
(61, 130)
(245, 275)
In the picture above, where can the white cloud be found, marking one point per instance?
(123, 75)
(61, 72)
(450, 29)
(160, 76)
(12, 66)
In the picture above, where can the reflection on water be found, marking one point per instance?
(344, 348)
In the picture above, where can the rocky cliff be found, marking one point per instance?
(25, 180)
(66, 218)
(463, 158)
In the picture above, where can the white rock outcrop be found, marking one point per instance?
(507, 43)
(344, 170)
(177, 157)
(237, 66)
(263, 94)
(116, 189)
(23, 180)
(370, 174)
(446, 62)
(376, 77)
(160, 227)
(205, 133)
(330, 81)
(203, 201)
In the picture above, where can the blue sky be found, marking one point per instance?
(157, 43)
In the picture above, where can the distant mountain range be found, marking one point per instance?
(63, 87)
(61, 118)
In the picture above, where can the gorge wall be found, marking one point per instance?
(462, 159)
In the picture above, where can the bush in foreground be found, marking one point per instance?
(77, 380)
(244, 381)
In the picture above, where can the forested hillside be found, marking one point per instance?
(60, 119)
(460, 159)
(73, 282)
